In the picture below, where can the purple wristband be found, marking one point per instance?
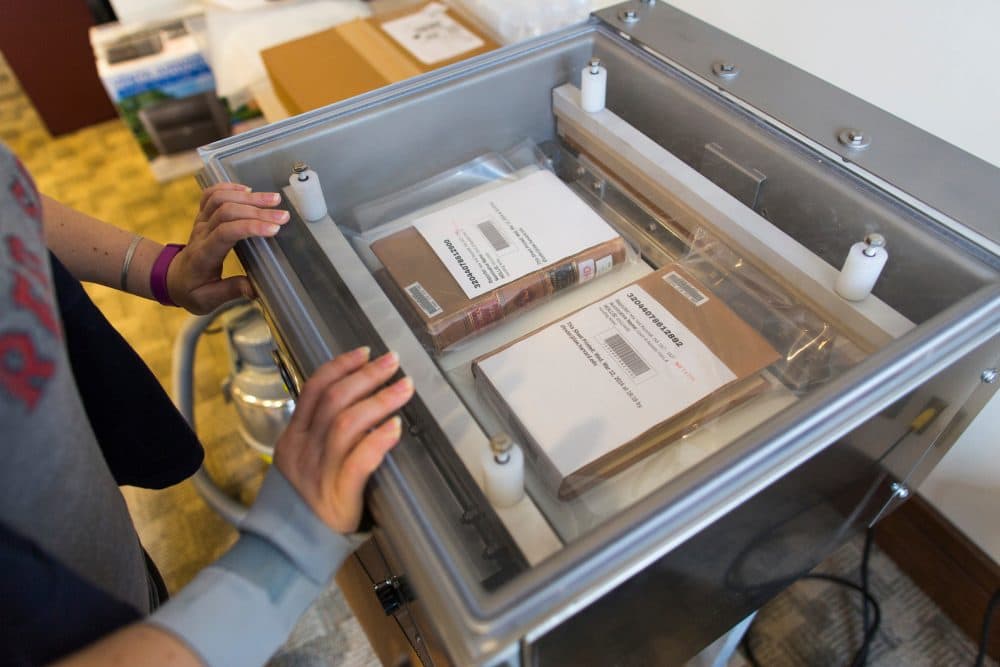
(158, 276)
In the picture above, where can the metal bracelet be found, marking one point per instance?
(129, 254)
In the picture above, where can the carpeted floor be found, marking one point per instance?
(101, 171)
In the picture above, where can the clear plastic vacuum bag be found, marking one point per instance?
(616, 398)
(464, 250)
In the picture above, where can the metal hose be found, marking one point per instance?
(182, 389)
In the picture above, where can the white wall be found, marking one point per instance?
(937, 65)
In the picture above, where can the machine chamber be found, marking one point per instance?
(748, 178)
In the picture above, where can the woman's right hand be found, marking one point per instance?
(339, 433)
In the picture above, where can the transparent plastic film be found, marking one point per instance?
(813, 349)
(618, 397)
(462, 251)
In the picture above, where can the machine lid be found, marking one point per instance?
(904, 157)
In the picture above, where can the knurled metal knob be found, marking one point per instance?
(501, 445)
(873, 243)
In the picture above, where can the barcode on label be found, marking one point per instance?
(689, 291)
(423, 299)
(627, 354)
(493, 235)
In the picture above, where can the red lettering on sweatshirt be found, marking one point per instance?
(26, 259)
(25, 194)
(23, 373)
(25, 296)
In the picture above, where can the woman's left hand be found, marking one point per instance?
(229, 212)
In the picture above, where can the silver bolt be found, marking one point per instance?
(649, 2)
(595, 65)
(725, 69)
(629, 16)
(990, 375)
(899, 490)
(301, 168)
(501, 446)
(873, 243)
(854, 138)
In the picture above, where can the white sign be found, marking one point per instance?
(431, 35)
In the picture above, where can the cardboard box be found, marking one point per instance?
(164, 91)
(365, 54)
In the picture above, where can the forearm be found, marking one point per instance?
(240, 609)
(94, 251)
(138, 645)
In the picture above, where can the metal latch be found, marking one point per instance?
(392, 594)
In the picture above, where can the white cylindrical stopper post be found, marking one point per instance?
(862, 268)
(307, 192)
(503, 472)
(593, 86)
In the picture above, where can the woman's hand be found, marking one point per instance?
(340, 432)
(228, 213)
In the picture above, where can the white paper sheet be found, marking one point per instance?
(607, 373)
(512, 230)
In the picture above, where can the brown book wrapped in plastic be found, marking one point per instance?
(437, 307)
(623, 377)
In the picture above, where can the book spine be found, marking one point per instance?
(486, 310)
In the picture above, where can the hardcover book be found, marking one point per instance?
(462, 268)
(622, 377)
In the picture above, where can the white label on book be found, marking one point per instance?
(431, 35)
(686, 289)
(586, 385)
(512, 230)
(423, 299)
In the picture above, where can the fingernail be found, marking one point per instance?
(396, 425)
(280, 216)
(248, 188)
(363, 352)
(271, 230)
(403, 386)
(388, 360)
(270, 197)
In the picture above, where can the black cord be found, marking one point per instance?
(869, 609)
(731, 577)
(862, 657)
(984, 637)
(918, 425)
